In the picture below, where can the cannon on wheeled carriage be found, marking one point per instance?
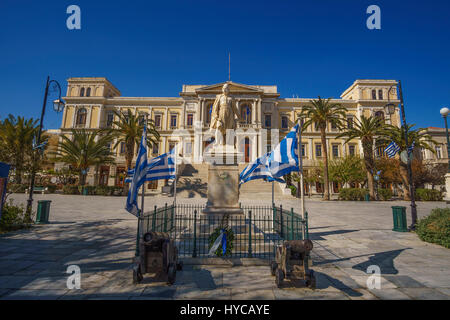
(157, 254)
(292, 262)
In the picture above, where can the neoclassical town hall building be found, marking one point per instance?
(185, 118)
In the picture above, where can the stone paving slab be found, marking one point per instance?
(99, 236)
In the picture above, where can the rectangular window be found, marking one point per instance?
(173, 121)
(122, 148)
(269, 147)
(335, 150)
(316, 126)
(318, 150)
(284, 122)
(189, 120)
(438, 152)
(333, 126)
(155, 148)
(152, 185)
(380, 94)
(350, 122)
(188, 148)
(158, 121)
(351, 150)
(109, 119)
(268, 120)
(374, 94)
(303, 150)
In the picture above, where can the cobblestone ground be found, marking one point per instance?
(96, 234)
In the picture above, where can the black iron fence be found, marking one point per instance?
(256, 233)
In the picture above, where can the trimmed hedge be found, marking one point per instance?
(94, 190)
(436, 227)
(293, 190)
(352, 194)
(385, 194)
(429, 195)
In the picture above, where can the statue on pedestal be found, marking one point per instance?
(224, 115)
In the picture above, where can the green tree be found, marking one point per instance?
(16, 143)
(320, 112)
(128, 129)
(84, 149)
(417, 137)
(347, 170)
(367, 130)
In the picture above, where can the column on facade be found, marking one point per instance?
(310, 147)
(238, 108)
(259, 112)
(202, 113)
(89, 117)
(74, 116)
(254, 139)
(99, 116)
(166, 119)
(254, 111)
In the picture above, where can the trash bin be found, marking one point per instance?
(367, 197)
(43, 211)
(399, 215)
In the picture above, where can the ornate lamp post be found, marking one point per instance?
(58, 106)
(390, 109)
(444, 112)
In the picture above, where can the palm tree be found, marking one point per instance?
(128, 130)
(83, 150)
(367, 130)
(321, 112)
(16, 143)
(419, 138)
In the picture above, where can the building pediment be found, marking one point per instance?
(235, 88)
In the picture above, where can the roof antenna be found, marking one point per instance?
(229, 66)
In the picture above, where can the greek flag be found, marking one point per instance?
(258, 169)
(162, 167)
(138, 178)
(392, 149)
(275, 164)
(411, 148)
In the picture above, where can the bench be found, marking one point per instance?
(42, 190)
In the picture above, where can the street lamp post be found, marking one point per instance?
(58, 106)
(390, 108)
(444, 112)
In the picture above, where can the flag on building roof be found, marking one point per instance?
(139, 175)
(392, 149)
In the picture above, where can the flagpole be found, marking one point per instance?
(176, 174)
(300, 155)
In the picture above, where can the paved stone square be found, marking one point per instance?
(96, 234)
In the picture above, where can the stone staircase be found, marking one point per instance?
(193, 183)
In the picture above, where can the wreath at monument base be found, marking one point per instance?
(229, 236)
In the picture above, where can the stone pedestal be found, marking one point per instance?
(223, 181)
(447, 187)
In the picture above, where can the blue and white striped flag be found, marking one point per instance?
(392, 149)
(284, 159)
(138, 178)
(162, 167)
(277, 163)
(411, 148)
(258, 169)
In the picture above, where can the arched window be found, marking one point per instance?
(81, 117)
(88, 92)
(208, 113)
(374, 94)
(246, 114)
(380, 94)
(82, 92)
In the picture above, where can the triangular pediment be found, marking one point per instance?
(234, 88)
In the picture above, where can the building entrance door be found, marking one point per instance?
(104, 176)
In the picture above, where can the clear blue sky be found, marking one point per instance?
(151, 48)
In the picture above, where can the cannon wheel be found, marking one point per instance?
(273, 267)
(171, 273)
(137, 274)
(311, 280)
(279, 277)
